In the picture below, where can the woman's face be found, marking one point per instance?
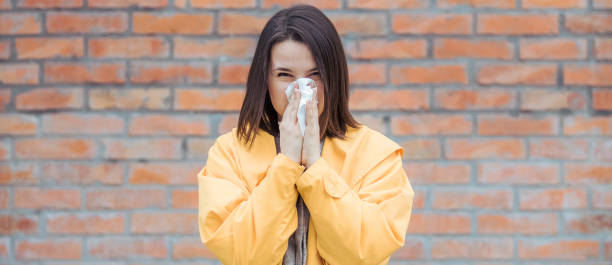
(289, 61)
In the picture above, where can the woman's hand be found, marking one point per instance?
(290, 133)
(311, 151)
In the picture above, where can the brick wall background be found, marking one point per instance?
(504, 108)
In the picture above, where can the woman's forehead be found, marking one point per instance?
(291, 55)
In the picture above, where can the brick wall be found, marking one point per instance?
(504, 108)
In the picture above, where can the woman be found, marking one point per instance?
(269, 195)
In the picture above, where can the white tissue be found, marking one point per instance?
(306, 93)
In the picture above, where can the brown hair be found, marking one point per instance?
(308, 25)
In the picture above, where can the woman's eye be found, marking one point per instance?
(315, 74)
(283, 74)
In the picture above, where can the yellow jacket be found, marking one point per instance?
(358, 195)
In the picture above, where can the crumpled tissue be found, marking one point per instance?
(306, 86)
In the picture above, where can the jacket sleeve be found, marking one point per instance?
(358, 227)
(242, 227)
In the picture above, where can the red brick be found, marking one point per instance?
(41, 48)
(376, 99)
(35, 198)
(213, 48)
(4, 198)
(387, 49)
(588, 174)
(587, 223)
(462, 198)
(19, 73)
(552, 198)
(164, 223)
(129, 47)
(518, 223)
(217, 4)
(82, 173)
(485, 149)
(412, 249)
(161, 124)
(367, 73)
(185, 199)
(419, 198)
(127, 3)
(557, 4)
(439, 224)
(19, 23)
(86, 22)
(5, 50)
(602, 4)
(158, 148)
(564, 249)
(125, 247)
(506, 4)
(461, 99)
(233, 74)
(559, 149)
(359, 23)
(50, 98)
(583, 125)
(472, 248)
(517, 74)
(228, 122)
(17, 174)
(85, 224)
(602, 198)
(432, 23)
(427, 124)
(602, 150)
(125, 199)
(198, 148)
(437, 173)
(603, 48)
(129, 99)
(503, 124)
(414, 74)
(17, 124)
(190, 248)
(164, 173)
(388, 4)
(525, 24)
(552, 99)
(17, 224)
(77, 73)
(552, 49)
(61, 148)
(4, 155)
(589, 23)
(219, 99)
(5, 99)
(171, 72)
(174, 23)
(48, 249)
(5, 4)
(49, 3)
(422, 149)
(517, 173)
(69, 123)
(240, 23)
(462, 48)
(592, 74)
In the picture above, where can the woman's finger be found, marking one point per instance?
(291, 110)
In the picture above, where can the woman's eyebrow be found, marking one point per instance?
(282, 69)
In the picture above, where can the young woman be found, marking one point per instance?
(268, 195)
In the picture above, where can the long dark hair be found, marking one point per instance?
(308, 25)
